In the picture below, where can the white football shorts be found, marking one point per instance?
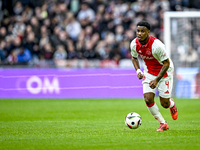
(164, 86)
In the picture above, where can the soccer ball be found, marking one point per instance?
(133, 120)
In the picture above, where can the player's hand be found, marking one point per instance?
(153, 84)
(140, 75)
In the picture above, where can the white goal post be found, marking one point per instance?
(167, 24)
(182, 40)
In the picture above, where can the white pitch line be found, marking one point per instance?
(76, 88)
(74, 75)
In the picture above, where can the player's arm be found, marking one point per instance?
(137, 67)
(166, 64)
(135, 60)
(135, 63)
(161, 55)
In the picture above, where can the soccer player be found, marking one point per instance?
(158, 72)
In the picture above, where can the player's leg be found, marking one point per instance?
(152, 107)
(165, 89)
(169, 103)
(149, 95)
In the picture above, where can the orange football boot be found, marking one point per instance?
(163, 127)
(174, 111)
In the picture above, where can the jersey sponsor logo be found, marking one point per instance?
(146, 57)
(146, 54)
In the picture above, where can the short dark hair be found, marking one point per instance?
(144, 23)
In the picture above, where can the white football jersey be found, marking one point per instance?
(152, 53)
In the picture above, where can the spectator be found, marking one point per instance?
(103, 50)
(2, 51)
(124, 50)
(3, 33)
(31, 44)
(44, 39)
(73, 27)
(129, 15)
(24, 55)
(47, 51)
(18, 8)
(27, 14)
(60, 53)
(62, 36)
(16, 43)
(19, 27)
(72, 54)
(190, 58)
(35, 25)
(93, 30)
(86, 15)
(54, 38)
(29, 29)
(12, 58)
(119, 32)
(60, 56)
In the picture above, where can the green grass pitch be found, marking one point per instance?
(77, 124)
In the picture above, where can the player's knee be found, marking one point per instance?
(164, 103)
(148, 99)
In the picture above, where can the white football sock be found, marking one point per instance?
(171, 103)
(154, 110)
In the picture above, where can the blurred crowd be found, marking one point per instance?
(72, 33)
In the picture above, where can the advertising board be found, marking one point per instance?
(69, 83)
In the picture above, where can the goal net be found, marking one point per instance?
(182, 40)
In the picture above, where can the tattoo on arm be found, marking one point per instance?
(163, 69)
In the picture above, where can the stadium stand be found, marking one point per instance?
(79, 34)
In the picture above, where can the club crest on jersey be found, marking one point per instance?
(148, 51)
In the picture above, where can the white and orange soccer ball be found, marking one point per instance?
(133, 120)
